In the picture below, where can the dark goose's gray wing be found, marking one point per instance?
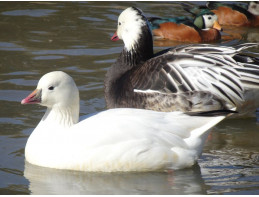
(196, 68)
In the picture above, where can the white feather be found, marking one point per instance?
(129, 28)
(113, 140)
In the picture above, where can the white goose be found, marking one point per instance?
(141, 79)
(113, 140)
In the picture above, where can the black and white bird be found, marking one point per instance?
(190, 78)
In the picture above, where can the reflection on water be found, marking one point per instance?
(230, 162)
(39, 37)
(51, 181)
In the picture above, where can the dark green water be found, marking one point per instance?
(39, 37)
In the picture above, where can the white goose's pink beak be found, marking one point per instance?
(33, 98)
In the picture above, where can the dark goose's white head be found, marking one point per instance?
(133, 28)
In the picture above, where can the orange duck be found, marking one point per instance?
(236, 14)
(203, 28)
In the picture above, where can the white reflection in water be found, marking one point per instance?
(50, 181)
(39, 37)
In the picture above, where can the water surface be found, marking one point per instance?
(39, 37)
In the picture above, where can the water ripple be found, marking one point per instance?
(30, 12)
(8, 46)
(78, 52)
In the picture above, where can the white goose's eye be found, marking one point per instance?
(209, 17)
(119, 23)
(51, 87)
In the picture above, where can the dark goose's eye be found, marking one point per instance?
(209, 17)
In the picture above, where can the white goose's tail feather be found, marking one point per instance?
(214, 117)
(186, 157)
(197, 136)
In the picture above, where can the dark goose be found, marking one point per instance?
(188, 78)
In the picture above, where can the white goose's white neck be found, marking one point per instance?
(60, 117)
(64, 117)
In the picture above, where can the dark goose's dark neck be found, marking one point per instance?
(141, 52)
(116, 82)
